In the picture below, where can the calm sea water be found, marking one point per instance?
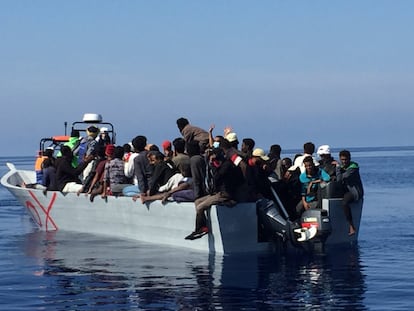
(70, 271)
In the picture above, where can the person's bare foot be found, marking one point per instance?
(165, 198)
(351, 230)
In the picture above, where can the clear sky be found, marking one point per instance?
(286, 72)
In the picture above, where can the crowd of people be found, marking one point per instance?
(199, 167)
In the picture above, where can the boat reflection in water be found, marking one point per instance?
(86, 272)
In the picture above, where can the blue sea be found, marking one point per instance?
(74, 271)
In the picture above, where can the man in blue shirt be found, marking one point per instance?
(311, 180)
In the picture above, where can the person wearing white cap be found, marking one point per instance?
(103, 137)
(257, 173)
(327, 162)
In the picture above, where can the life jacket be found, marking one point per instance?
(38, 167)
(81, 149)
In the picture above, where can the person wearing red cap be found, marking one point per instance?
(114, 176)
(167, 150)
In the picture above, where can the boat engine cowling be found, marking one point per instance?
(319, 219)
(314, 224)
(273, 223)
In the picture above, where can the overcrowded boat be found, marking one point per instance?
(260, 226)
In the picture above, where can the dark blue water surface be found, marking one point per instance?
(73, 271)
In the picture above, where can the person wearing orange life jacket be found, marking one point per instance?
(43, 155)
(38, 166)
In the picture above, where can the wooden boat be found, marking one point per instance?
(246, 227)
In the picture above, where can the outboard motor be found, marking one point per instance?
(271, 223)
(319, 220)
(315, 225)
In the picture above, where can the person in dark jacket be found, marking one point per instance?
(198, 169)
(142, 168)
(67, 177)
(227, 177)
(162, 171)
(347, 173)
(327, 162)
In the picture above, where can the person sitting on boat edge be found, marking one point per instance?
(67, 176)
(161, 174)
(181, 159)
(138, 168)
(227, 177)
(167, 150)
(347, 173)
(181, 188)
(95, 185)
(114, 177)
(49, 173)
(178, 189)
(311, 181)
(41, 183)
(129, 171)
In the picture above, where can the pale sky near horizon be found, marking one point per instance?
(286, 72)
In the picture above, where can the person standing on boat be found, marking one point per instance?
(347, 173)
(227, 177)
(308, 150)
(311, 181)
(198, 169)
(192, 132)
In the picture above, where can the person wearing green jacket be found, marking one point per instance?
(347, 173)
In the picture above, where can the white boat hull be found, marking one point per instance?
(232, 230)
